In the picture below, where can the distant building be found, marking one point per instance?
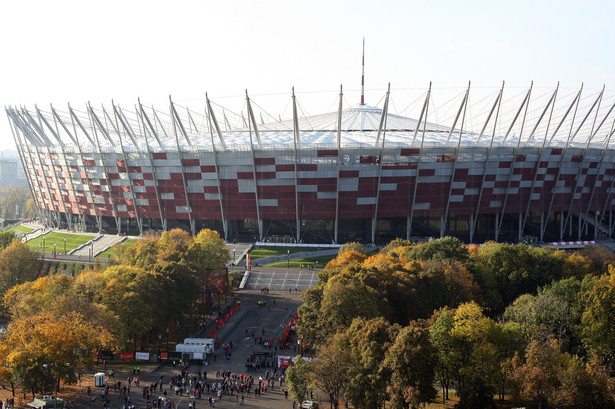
(12, 173)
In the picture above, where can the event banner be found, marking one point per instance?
(142, 355)
(126, 356)
(284, 361)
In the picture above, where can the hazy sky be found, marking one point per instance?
(86, 50)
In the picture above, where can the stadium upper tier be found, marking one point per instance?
(549, 119)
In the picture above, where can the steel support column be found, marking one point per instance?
(381, 130)
(252, 123)
(497, 103)
(339, 161)
(105, 133)
(418, 165)
(177, 122)
(296, 142)
(212, 117)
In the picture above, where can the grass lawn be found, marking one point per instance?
(322, 261)
(111, 254)
(72, 241)
(270, 251)
(21, 229)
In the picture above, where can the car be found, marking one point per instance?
(310, 404)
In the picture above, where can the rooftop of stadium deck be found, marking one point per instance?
(525, 119)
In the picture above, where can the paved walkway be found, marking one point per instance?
(271, 319)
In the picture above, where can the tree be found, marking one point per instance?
(584, 386)
(598, 297)
(134, 295)
(6, 238)
(411, 360)
(476, 355)
(310, 323)
(538, 378)
(599, 258)
(354, 246)
(446, 248)
(516, 269)
(368, 341)
(40, 349)
(345, 299)
(14, 201)
(443, 341)
(298, 378)
(18, 264)
(329, 370)
(209, 251)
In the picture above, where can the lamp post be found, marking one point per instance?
(54, 248)
(288, 258)
(64, 245)
(78, 352)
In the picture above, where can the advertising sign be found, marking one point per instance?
(142, 356)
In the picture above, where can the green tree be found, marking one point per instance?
(6, 238)
(368, 341)
(446, 367)
(345, 299)
(411, 360)
(517, 269)
(310, 325)
(477, 357)
(135, 296)
(13, 201)
(598, 297)
(18, 264)
(329, 370)
(298, 377)
(446, 248)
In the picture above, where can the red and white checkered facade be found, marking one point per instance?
(406, 180)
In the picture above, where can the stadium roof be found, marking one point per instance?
(546, 120)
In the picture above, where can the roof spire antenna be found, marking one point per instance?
(363, 75)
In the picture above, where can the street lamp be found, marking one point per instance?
(288, 258)
(64, 245)
(78, 352)
(54, 248)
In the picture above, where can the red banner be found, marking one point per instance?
(283, 361)
(126, 356)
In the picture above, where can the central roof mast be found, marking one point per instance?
(363, 75)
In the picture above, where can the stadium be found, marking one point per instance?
(485, 164)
